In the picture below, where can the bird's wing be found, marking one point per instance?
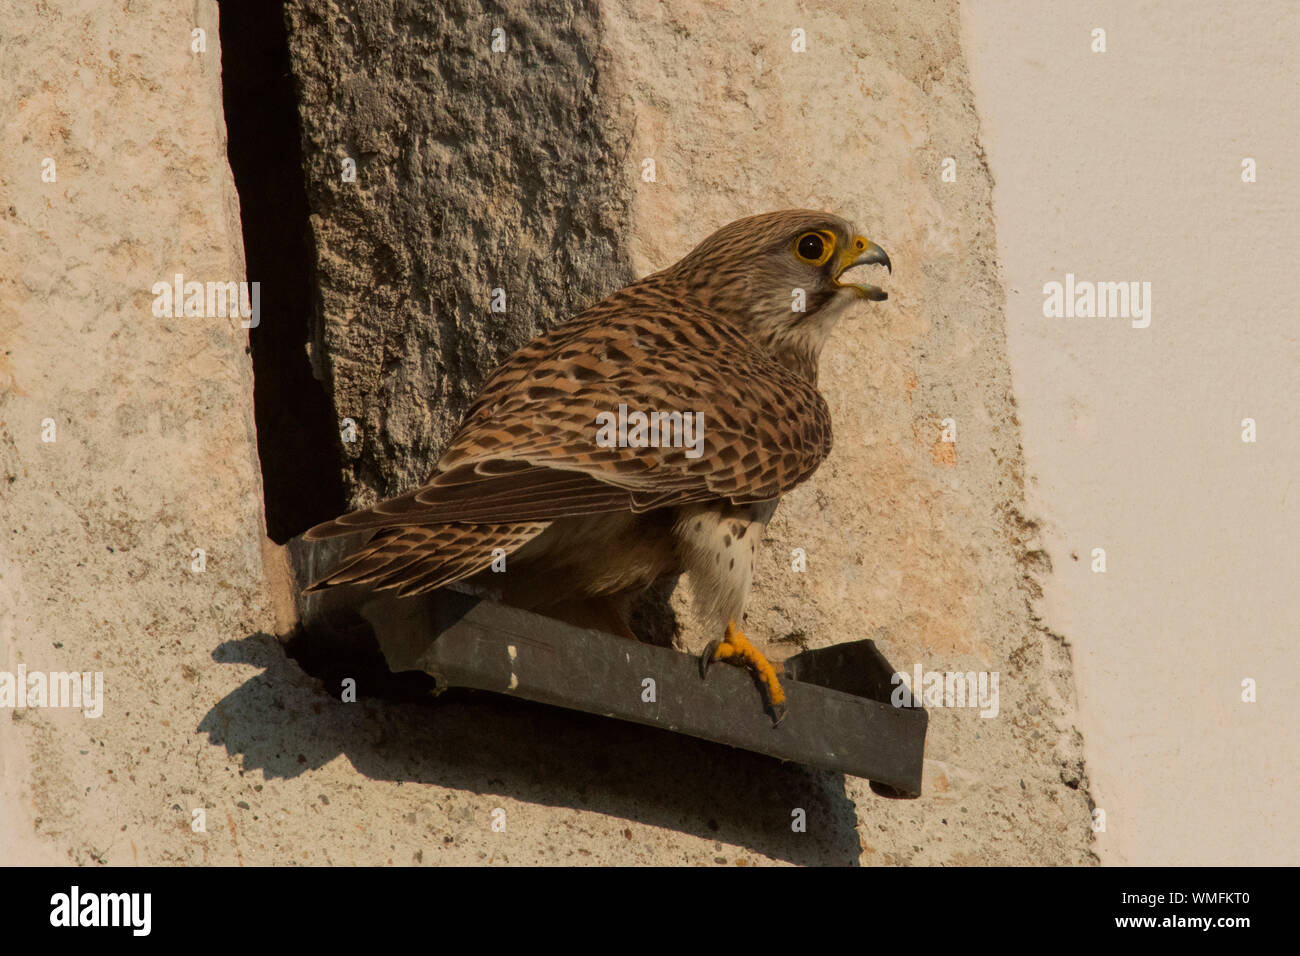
(528, 449)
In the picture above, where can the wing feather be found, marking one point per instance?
(528, 449)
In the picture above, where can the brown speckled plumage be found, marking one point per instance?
(713, 334)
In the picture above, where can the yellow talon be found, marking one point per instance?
(737, 649)
(725, 651)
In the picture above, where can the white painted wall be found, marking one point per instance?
(1126, 165)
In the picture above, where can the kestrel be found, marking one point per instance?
(726, 340)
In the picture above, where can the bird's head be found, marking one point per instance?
(784, 278)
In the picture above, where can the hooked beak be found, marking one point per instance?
(864, 252)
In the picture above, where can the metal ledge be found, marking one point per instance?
(839, 715)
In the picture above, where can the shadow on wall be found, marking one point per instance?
(297, 438)
(486, 744)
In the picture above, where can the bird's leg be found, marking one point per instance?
(736, 648)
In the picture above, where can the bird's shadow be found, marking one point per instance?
(285, 723)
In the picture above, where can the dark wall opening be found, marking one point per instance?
(297, 437)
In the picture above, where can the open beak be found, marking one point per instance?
(864, 252)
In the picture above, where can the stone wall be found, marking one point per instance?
(477, 170)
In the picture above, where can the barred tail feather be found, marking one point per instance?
(418, 559)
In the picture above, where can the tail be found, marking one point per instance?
(415, 559)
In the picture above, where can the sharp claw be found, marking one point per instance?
(778, 714)
(707, 657)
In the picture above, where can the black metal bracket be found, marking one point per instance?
(839, 714)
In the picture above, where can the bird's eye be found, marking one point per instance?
(814, 247)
